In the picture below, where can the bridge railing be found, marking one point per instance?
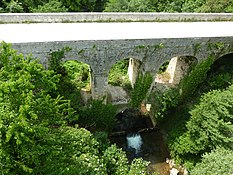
(112, 17)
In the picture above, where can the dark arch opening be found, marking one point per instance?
(220, 74)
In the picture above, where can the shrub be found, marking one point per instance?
(98, 115)
(210, 125)
(140, 90)
(218, 161)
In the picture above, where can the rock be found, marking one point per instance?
(174, 171)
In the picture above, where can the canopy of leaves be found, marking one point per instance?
(210, 125)
(14, 6)
(34, 137)
(219, 161)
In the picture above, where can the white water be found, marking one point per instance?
(134, 141)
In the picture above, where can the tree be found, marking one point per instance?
(218, 161)
(79, 5)
(34, 136)
(128, 6)
(27, 110)
(50, 6)
(210, 125)
(212, 6)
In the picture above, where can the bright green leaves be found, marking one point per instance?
(210, 125)
(34, 138)
(219, 161)
(27, 109)
(140, 90)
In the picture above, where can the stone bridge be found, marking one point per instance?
(102, 44)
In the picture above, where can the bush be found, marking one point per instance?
(27, 111)
(98, 115)
(218, 161)
(210, 126)
(140, 90)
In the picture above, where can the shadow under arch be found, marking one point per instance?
(220, 74)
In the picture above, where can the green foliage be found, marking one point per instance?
(211, 6)
(210, 125)
(102, 138)
(221, 6)
(163, 101)
(80, 5)
(220, 81)
(163, 68)
(141, 87)
(27, 111)
(99, 115)
(127, 6)
(78, 73)
(219, 161)
(50, 6)
(34, 138)
(73, 151)
(116, 159)
(197, 76)
(118, 74)
(68, 87)
(206, 6)
(55, 60)
(138, 167)
(14, 7)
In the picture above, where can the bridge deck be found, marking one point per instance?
(49, 32)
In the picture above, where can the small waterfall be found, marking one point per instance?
(134, 142)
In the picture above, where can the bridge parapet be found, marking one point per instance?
(111, 17)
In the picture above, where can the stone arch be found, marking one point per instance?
(220, 74)
(132, 67)
(223, 63)
(172, 71)
(80, 72)
(121, 78)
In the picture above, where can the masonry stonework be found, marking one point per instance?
(101, 55)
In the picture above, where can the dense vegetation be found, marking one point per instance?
(36, 136)
(116, 6)
(43, 122)
(198, 118)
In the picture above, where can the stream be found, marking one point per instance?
(135, 135)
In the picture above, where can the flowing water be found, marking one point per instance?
(135, 134)
(134, 142)
(149, 146)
